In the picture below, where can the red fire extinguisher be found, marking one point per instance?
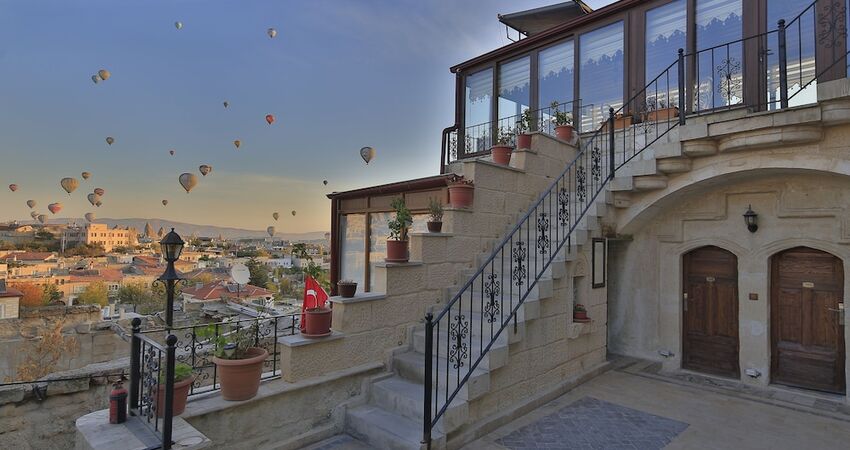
(118, 403)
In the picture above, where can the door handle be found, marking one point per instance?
(685, 302)
(840, 311)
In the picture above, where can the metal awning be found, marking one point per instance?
(536, 20)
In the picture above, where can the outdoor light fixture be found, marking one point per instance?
(172, 246)
(751, 219)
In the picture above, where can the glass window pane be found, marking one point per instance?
(719, 70)
(514, 90)
(352, 261)
(800, 51)
(666, 28)
(378, 232)
(479, 96)
(556, 69)
(601, 74)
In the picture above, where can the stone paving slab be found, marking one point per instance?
(339, 442)
(590, 423)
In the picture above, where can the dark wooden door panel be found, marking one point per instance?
(710, 325)
(807, 341)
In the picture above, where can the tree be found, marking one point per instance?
(300, 251)
(44, 235)
(94, 294)
(88, 250)
(317, 273)
(141, 297)
(42, 360)
(33, 295)
(259, 272)
(51, 293)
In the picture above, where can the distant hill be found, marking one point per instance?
(187, 229)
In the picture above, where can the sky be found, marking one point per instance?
(340, 75)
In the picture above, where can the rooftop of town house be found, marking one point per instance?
(30, 256)
(535, 20)
(92, 275)
(221, 289)
(6, 291)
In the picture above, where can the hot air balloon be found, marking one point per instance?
(237, 143)
(103, 74)
(226, 104)
(13, 187)
(110, 140)
(69, 184)
(54, 207)
(275, 215)
(89, 217)
(171, 152)
(270, 231)
(165, 203)
(204, 169)
(178, 25)
(34, 214)
(269, 119)
(93, 198)
(42, 218)
(86, 175)
(99, 191)
(188, 181)
(98, 203)
(95, 79)
(293, 212)
(31, 203)
(325, 182)
(367, 153)
(271, 32)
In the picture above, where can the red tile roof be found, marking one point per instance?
(30, 256)
(114, 275)
(219, 289)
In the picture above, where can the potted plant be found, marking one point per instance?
(347, 288)
(397, 242)
(504, 146)
(239, 360)
(523, 137)
(183, 379)
(580, 313)
(317, 322)
(460, 191)
(563, 123)
(435, 213)
(659, 111)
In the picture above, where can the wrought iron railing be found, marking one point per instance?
(459, 337)
(151, 395)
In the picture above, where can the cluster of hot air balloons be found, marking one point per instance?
(101, 75)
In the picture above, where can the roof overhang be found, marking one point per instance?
(533, 21)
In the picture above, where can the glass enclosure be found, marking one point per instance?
(666, 32)
(514, 89)
(352, 229)
(601, 68)
(719, 65)
(478, 101)
(800, 45)
(556, 75)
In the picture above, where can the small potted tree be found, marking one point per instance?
(460, 191)
(523, 137)
(183, 379)
(580, 313)
(347, 288)
(659, 111)
(504, 146)
(239, 360)
(435, 213)
(397, 243)
(563, 122)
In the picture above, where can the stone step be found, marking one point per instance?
(406, 398)
(385, 430)
(496, 357)
(507, 285)
(411, 366)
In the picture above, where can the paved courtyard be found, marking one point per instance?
(634, 409)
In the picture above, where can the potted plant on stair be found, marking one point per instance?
(504, 146)
(317, 322)
(523, 136)
(580, 313)
(435, 215)
(239, 361)
(659, 111)
(347, 288)
(398, 245)
(563, 123)
(183, 379)
(460, 191)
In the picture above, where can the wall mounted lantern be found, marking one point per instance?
(751, 219)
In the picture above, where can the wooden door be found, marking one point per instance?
(710, 326)
(807, 338)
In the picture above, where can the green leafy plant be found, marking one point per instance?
(237, 335)
(458, 179)
(400, 225)
(504, 136)
(526, 120)
(182, 371)
(579, 308)
(560, 118)
(435, 210)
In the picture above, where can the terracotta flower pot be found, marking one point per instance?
(662, 115)
(501, 154)
(397, 251)
(580, 315)
(460, 195)
(240, 378)
(523, 141)
(564, 132)
(347, 290)
(317, 322)
(435, 227)
(181, 394)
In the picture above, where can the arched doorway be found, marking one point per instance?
(710, 312)
(807, 336)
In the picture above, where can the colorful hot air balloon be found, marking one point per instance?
(165, 203)
(98, 203)
(204, 169)
(86, 175)
(367, 153)
(42, 218)
(293, 212)
(104, 74)
(93, 198)
(178, 25)
(99, 191)
(69, 184)
(55, 207)
(188, 181)
(269, 119)
(31, 203)
(226, 103)
(270, 231)
(13, 187)
(271, 32)
(171, 152)
(34, 214)
(110, 140)
(95, 79)
(89, 217)
(275, 215)
(237, 143)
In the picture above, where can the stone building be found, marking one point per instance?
(101, 234)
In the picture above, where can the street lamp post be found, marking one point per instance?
(172, 246)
